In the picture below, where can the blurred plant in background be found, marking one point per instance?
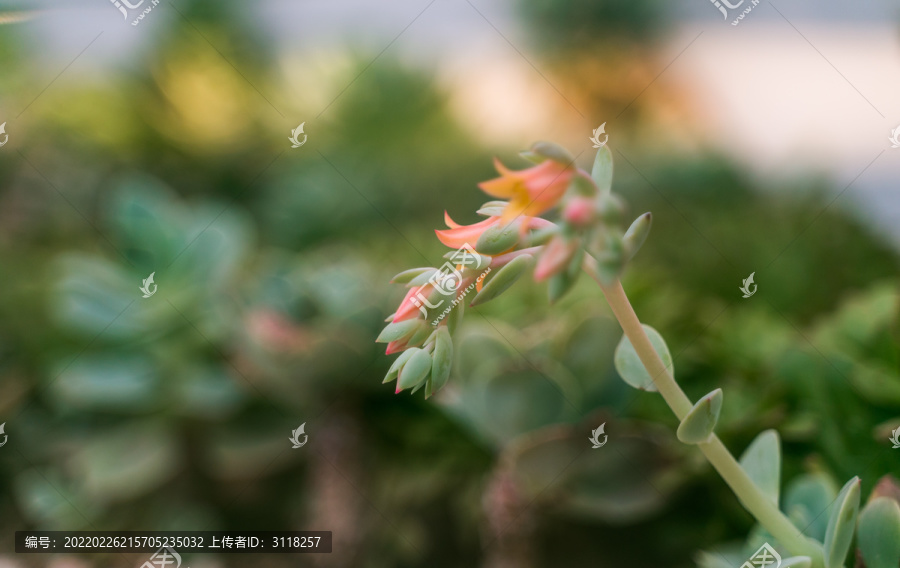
(177, 414)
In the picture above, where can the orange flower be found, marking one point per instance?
(408, 308)
(458, 235)
(531, 191)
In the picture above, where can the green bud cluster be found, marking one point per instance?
(427, 366)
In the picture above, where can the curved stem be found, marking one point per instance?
(758, 504)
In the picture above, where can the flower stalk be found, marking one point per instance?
(761, 507)
(588, 236)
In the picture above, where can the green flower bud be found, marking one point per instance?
(398, 331)
(415, 370)
(584, 186)
(422, 278)
(532, 157)
(553, 151)
(498, 239)
(611, 207)
(422, 332)
(504, 278)
(611, 258)
(398, 364)
(441, 362)
(495, 211)
(636, 235)
(476, 261)
(408, 275)
(540, 236)
(560, 283)
(426, 383)
(455, 317)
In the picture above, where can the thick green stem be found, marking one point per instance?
(753, 499)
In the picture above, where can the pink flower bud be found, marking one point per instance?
(580, 211)
(557, 254)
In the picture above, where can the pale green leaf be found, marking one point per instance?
(841, 525)
(443, 358)
(697, 427)
(504, 278)
(762, 462)
(879, 533)
(629, 365)
(602, 172)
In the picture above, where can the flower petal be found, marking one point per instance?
(457, 237)
(450, 222)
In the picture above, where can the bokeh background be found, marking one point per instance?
(163, 148)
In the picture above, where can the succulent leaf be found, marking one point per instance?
(636, 235)
(697, 427)
(498, 238)
(879, 533)
(494, 211)
(442, 360)
(398, 331)
(415, 370)
(553, 151)
(629, 365)
(421, 278)
(504, 278)
(397, 365)
(805, 498)
(602, 172)
(762, 462)
(407, 275)
(455, 317)
(796, 562)
(842, 524)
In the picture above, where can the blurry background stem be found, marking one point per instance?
(763, 509)
(511, 522)
(335, 469)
